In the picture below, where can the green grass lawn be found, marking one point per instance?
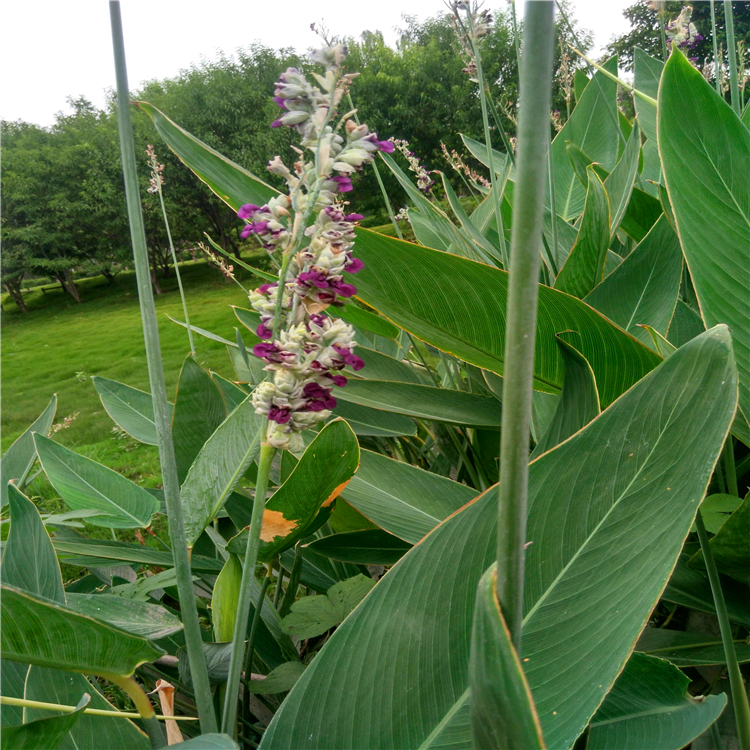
(59, 344)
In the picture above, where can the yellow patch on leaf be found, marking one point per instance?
(275, 525)
(335, 493)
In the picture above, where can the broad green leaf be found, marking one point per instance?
(365, 319)
(366, 547)
(691, 588)
(29, 561)
(248, 370)
(198, 410)
(402, 499)
(218, 467)
(225, 599)
(75, 551)
(208, 742)
(647, 74)
(731, 544)
(705, 153)
(619, 184)
(280, 680)
(151, 621)
(129, 408)
(425, 402)
(90, 732)
(233, 184)
(685, 325)
(649, 707)
(86, 484)
(233, 394)
(644, 288)
(584, 267)
(373, 422)
(578, 403)
(140, 589)
(379, 366)
(688, 649)
(43, 734)
(641, 214)
(608, 511)
(500, 160)
(458, 306)
(314, 615)
(38, 631)
(592, 127)
(717, 508)
(203, 332)
(502, 709)
(580, 81)
(326, 467)
(19, 458)
(12, 681)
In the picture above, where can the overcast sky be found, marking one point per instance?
(52, 49)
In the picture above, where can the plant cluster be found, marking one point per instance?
(586, 322)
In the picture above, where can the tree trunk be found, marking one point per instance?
(14, 290)
(66, 281)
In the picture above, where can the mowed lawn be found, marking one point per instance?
(59, 345)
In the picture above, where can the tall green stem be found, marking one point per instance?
(730, 470)
(189, 611)
(526, 243)
(229, 718)
(488, 143)
(176, 268)
(734, 87)
(715, 41)
(143, 706)
(250, 648)
(739, 694)
(662, 33)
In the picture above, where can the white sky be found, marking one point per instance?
(52, 49)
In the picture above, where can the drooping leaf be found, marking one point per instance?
(151, 621)
(619, 184)
(649, 707)
(716, 509)
(598, 558)
(592, 127)
(373, 422)
(38, 631)
(366, 547)
(579, 401)
(198, 410)
(425, 401)
(705, 153)
(459, 306)
(647, 73)
(77, 551)
(502, 709)
(19, 458)
(29, 561)
(218, 467)
(644, 288)
(691, 588)
(228, 180)
(688, 649)
(731, 545)
(584, 267)
(43, 734)
(85, 484)
(326, 467)
(130, 409)
(314, 615)
(280, 680)
(500, 160)
(402, 499)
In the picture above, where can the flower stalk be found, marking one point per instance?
(189, 611)
(526, 244)
(734, 87)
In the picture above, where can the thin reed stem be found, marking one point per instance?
(717, 79)
(734, 88)
(739, 694)
(250, 648)
(525, 257)
(189, 611)
(229, 717)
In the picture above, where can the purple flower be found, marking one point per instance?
(344, 289)
(316, 278)
(279, 415)
(276, 124)
(265, 288)
(268, 352)
(280, 102)
(263, 332)
(248, 211)
(385, 146)
(344, 183)
(338, 380)
(351, 359)
(355, 265)
(354, 217)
